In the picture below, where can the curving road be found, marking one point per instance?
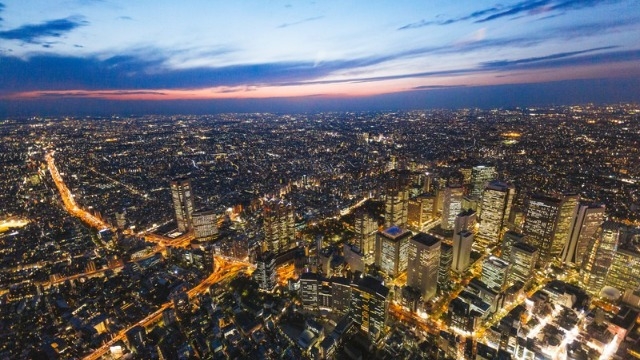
(225, 269)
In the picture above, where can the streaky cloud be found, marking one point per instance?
(574, 61)
(548, 62)
(32, 33)
(285, 25)
(580, 4)
(516, 9)
(533, 7)
(473, 15)
(505, 63)
(523, 8)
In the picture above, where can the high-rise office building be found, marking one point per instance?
(564, 224)
(319, 292)
(365, 228)
(523, 260)
(444, 268)
(396, 207)
(624, 272)
(451, 205)
(586, 222)
(279, 226)
(466, 175)
(182, 202)
(480, 177)
(309, 283)
(462, 243)
(597, 261)
(121, 219)
(391, 250)
(495, 209)
(495, 272)
(420, 211)
(340, 294)
(508, 240)
(540, 223)
(466, 220)
(205, 225)
(424, 260)
(265, 273)
(470, 202)
(370, 306)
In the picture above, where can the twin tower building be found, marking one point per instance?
(202, 223)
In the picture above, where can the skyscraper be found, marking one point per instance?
(540, 223)
(508, 240)
(624, 272)
(424, 260)
(497, 199)
(420, 211)
(565, 222)
(495, 272)
(365, 227)
(598, 259)
(392, 250)
(444, 268)
(480, 176)
(309, 290)
(370, 306)
(182, 202)
(462, 243)
(279, 226)
(265, 273)
(396, 203)
(205, 225)
(451, 206)
(466, 220)
(523, 261)
(585, 224)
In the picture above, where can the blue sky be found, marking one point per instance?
(120, 56)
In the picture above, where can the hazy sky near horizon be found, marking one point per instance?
(120, 53)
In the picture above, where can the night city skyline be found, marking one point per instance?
(117, 57)
(441, 180)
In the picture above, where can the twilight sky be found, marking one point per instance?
(111, 56)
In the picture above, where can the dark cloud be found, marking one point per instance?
(561, 60)
(46, 72)
(523, 8)
(84, 94)
(507, 63)
(281, 26)
(580, 4)
(530, 7)
(573, 61)
(137, 71)
(474, 15)
(516, 9)
(32, 33)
